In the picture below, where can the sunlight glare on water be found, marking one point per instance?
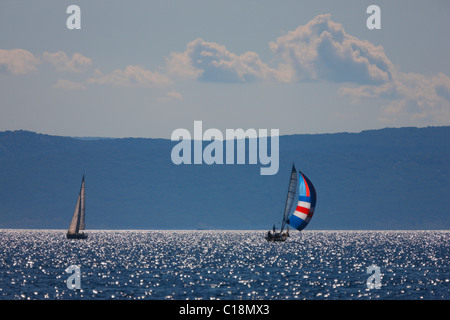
(224, 265)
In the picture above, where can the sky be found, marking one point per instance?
(146, 68)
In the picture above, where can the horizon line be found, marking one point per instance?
(93, 138)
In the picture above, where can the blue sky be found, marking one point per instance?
(146, 68)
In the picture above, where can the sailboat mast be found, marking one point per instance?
(290, 196)
(83, 204)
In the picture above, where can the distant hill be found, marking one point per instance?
(376, 179)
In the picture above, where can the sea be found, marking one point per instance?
(224, 265)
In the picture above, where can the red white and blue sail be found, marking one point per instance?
(306, 203)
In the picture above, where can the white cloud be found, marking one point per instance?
(210, 61)
(322, 50)
(319, 51)
(411, 96)
(18, 61)
(179, 65)
(61, 61)
(130, 76)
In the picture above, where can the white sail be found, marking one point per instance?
(74, 222)
(290, 196)
(77, 222)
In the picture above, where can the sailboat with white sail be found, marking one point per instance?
(299, 219)
(77, 224)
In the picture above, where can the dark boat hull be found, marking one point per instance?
(77, 236)
(277, 237)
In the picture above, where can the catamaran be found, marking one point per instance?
(77, 222)
(300, 218)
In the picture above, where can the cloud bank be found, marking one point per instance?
(411, 96)
(322, 50)
(319, 51)
(18, 61)
(212, 62)
(61, 61)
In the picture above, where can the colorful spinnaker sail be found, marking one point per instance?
(306, 203)
(290, 198)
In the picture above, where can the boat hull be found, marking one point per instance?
(77, 236)
(277, 237)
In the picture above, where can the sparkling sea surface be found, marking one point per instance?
(224, 265)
